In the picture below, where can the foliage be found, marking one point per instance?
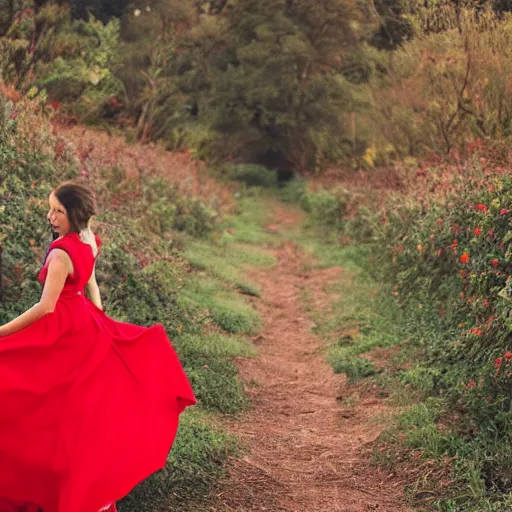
(28, 172)
(260, 82)
(441, 251)
(446, 86)
(253, 175)
(73, 62)
(326, 208)
(277, 83)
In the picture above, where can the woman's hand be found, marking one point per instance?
(94, 291)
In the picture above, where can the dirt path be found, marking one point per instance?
(305, 446)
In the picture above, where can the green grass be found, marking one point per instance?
(228, 262)
(248, 226)
(194, 464)
(360, 320)
(225, 307)
(208, 362)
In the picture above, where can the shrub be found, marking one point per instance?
(253, 175)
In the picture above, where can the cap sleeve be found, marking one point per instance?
(65, 246)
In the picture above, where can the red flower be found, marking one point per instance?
(497, 364)
(504, 211)
(481, 207)
(494, 262)
(476, 331)
(491, 232)
(464, 258)
(486, 303)
(477, 231)
(508, 356)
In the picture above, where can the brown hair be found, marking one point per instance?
(79, 202)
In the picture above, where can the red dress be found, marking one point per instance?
(89, 406)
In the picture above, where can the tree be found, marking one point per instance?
(267, 77)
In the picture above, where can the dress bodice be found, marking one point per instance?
(82, 257)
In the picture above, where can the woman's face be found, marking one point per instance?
(58, 216)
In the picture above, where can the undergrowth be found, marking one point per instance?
(431, 291)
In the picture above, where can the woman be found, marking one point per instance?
(88, 406)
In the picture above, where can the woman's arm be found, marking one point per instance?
(59, 267)
(93, 290)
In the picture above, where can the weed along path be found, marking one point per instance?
(305, 447)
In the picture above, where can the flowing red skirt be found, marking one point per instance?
(89, 409)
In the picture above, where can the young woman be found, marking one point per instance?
(89, 406)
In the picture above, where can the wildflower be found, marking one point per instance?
(137, 13)
(504, 211)
(471, 384)
(463, 273)
(486, 303)
(497, 364)
(508, 356)
(492, 232)
(420, 247)
(439, 221)
(464, 258)
(494, 262)
(481, 207)
(477, 231)
(476, 331)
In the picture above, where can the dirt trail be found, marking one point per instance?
(305, 446)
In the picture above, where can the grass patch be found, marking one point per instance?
(195, 462)
(228, 262)
(207, 359)
(225, 307)
(249, 223)
(355, 368)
